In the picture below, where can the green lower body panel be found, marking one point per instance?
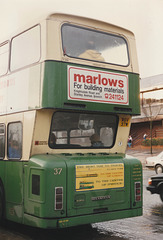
(80, 220)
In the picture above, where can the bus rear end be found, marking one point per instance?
(78, 170)
(72, 125)
(71, 190)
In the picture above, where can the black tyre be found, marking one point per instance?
(1, 206)
(161, 194)
(158, 169)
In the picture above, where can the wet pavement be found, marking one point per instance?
(143, 152)
(147, 227)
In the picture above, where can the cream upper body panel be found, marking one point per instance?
(54, 40)
(40, 140)
(36, 129)
(51, 40)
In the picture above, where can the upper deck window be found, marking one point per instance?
(4, 57)
(25, 48)
(94, 45)
(14, 138)
(79, 130)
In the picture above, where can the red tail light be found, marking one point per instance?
(137, 191)
(58, 198)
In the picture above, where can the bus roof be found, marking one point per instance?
(89, 21)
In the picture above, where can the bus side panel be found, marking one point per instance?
(134, 89)
(53, 89)
(44, 174)
(136, 176)
(2, 172)
(14, 190)
(25, 84)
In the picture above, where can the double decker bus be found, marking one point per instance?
(68, 89)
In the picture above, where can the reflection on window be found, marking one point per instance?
(25, 48)
(2, 141)
(94, 45)
(14, 138)
(4, 57)
(76, 130)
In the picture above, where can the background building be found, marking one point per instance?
(151, 95)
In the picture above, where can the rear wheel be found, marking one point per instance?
(161, 193)
(158, 169)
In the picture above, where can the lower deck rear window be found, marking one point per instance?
(78, 130)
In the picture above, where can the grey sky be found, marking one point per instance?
(143, 17)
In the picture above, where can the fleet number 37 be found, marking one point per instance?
(57, 171)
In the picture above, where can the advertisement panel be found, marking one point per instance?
(99, 176)
(97, 86)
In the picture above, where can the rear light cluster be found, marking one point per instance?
(137, 191)
(58, 198)
(149, 181)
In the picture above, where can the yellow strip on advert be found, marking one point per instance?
(99, 176)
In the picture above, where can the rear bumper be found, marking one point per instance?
(152, 189)
(80, 220)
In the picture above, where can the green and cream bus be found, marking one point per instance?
(68, 89)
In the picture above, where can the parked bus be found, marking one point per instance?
(68, 89)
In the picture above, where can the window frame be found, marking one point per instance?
(2, 124)
(11, 47)
(98, 31)
(21, 153)
(72, 146)
(8, 60)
